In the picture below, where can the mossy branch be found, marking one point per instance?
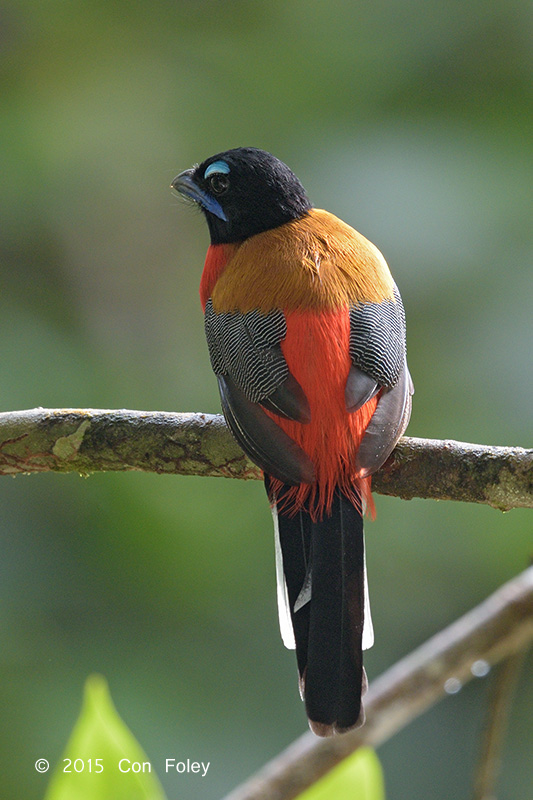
(96, 440)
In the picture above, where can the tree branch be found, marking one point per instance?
(501, 696)
(501, 626)
(94, 440)
(91, 440)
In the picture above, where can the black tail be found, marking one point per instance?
(323, 564)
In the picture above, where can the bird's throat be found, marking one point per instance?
(216, 259)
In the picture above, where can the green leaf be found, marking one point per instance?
(358, 777)
(99, 742)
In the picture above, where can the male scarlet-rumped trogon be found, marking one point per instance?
(306, 334)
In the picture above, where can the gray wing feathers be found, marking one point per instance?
(377, 350)
(377, 339)
(388, 423)
(247, 348)
(261, 439)
(360, 388)
(289, 401)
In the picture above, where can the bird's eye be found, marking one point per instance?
(216, 176)
(218, 182)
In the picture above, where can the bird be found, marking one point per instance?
(305, 329)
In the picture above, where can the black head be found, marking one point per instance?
(243, 192)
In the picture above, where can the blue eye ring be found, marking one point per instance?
(217, 178)
(216, 166)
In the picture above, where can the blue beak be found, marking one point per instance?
(185, 185)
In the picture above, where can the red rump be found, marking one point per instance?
(316, 349)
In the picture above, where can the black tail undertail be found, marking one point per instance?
(323, 563)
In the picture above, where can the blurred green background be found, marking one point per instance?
(410, 120)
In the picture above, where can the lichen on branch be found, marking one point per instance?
(99, 440)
